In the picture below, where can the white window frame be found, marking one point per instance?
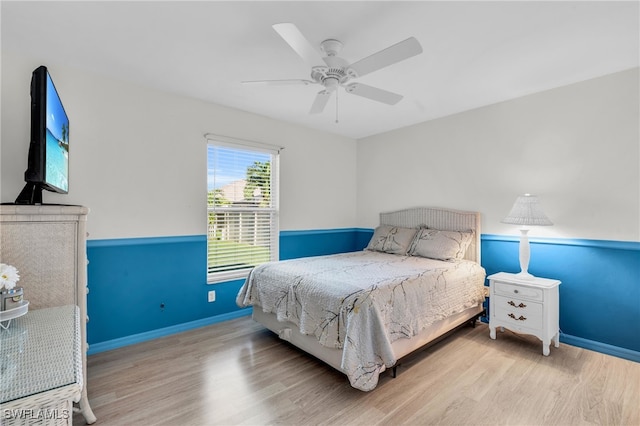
(246, 145)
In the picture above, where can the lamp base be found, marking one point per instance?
(524, 275)
(524, 253)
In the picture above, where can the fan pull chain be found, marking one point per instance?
(336, 107)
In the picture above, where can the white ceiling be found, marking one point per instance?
(475, 53)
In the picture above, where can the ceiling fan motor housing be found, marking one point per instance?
(329, 77)
(335, 73)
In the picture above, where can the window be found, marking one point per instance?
(242, 207)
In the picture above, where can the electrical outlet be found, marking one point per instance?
(212, 296)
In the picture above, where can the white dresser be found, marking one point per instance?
(525, 305)
(47, 244)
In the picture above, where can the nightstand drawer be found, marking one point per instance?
(519, 291)
(520, 313)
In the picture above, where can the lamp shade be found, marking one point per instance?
(526, 211)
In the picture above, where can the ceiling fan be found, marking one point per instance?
(332, 71)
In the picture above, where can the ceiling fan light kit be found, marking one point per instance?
(336, 71)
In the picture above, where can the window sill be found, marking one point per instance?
(221, 277)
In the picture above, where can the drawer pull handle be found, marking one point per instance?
(521, 318)
(520, 305)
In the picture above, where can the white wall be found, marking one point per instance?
(138, 156)
(577, 147)
(138, 159)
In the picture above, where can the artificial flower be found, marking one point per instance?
(8, 276)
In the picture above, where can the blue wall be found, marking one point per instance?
(144, 288)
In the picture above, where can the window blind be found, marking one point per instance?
(242, 208)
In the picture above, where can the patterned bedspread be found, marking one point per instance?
(363, 301)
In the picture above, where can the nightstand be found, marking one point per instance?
(528, 306)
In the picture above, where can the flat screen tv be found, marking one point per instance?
(48, 160)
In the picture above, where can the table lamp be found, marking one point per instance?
(526, 211)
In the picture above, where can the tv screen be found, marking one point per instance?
(48, 162)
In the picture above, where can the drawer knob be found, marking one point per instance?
(516, 291)
(520, 305)
(520, 318)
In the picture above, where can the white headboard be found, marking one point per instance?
(438, 218)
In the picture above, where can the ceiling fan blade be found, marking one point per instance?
(320, 102)
(373, 93)
(298, 42)
(392, 54)
(278, 82)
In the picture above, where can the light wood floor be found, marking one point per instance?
(239, 373)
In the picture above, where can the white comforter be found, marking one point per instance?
(363, 301)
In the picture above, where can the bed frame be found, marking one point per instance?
(437, 218)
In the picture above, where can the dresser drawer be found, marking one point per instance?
(518, 291)
(518, 312)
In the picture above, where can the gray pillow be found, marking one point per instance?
(392, 239)
(441, 245)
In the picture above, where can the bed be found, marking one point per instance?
(418, 279)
